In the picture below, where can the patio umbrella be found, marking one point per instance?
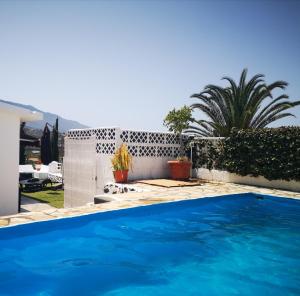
(46, 146)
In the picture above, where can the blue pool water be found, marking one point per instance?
(232, 245)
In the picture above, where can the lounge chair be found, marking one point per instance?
(26, 171)
(26, 168)
(42, 174)
(55, 172)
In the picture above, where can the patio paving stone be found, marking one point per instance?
(149, 195)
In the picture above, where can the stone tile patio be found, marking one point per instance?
(151, 195)
(32, 205)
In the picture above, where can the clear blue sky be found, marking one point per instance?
(127, 63)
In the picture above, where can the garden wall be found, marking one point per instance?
(223, 176)
(91, 150)
(264, 157)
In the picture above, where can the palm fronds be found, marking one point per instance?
(239, 105)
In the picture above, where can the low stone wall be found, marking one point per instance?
(223, 176)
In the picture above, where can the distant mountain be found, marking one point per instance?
(63, 124)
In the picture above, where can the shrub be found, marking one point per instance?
(206, 153)
(178, 120)
(273, 153)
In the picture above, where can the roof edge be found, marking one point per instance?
(22, 113)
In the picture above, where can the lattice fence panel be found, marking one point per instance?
(138, 137)
(105, 148)
(140, 143)
(105, 138)
(151, 144)
(164, 151)
(83, 134)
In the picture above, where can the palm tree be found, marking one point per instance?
(239, 105)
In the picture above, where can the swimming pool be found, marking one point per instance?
(242, 244)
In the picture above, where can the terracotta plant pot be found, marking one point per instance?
(121, 176)
(179, 170)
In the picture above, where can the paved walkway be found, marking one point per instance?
(32, 205)
(151, 195)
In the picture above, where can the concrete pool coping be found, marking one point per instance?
(150, 195)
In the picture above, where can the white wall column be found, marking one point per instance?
(9, 163)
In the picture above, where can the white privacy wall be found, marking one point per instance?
(79, 172)
(150, 152)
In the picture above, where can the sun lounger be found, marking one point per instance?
(55, 172)
(26, 171)
(42, 174)
(26, 168)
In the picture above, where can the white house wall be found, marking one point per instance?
(10, 118)
(9, 163)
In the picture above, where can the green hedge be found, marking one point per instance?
(273, 153)
(206, 153)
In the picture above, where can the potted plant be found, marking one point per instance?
(121, 163)
(180, 168)
(177, 121)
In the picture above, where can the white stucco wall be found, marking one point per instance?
(142, 168)
(149, 168)
(9, 162)
(223, 176)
